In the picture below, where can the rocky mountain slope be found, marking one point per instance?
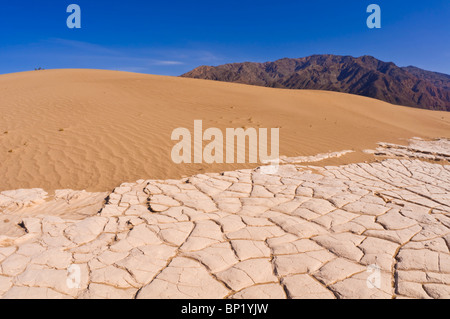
(366, 76)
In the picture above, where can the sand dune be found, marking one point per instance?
(93, 130)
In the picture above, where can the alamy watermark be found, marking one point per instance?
(229, 148)
(74, 19)
(374, 19)
(374, 279)
(73, 280)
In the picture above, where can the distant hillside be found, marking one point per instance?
(366, 76)
(439, 79)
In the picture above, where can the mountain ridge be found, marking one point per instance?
(365, 75)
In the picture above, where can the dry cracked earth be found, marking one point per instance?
(369, 230)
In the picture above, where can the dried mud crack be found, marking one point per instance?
(300, 232)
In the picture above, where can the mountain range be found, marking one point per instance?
(365, 75)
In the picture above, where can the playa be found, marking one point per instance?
(303, 232)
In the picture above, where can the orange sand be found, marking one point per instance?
(92, 129)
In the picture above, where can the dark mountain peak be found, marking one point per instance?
(364, 75)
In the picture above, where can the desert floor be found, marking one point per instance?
(93, 130)
(91, 205)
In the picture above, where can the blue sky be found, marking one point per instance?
(172, 37)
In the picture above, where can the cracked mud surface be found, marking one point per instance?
(302, 232)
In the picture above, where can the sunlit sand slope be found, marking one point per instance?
(92, 129)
